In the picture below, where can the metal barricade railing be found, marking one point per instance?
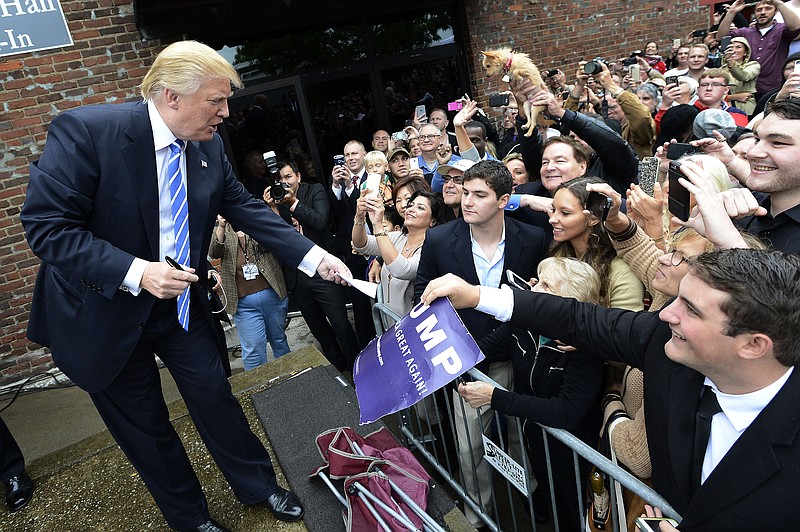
(429, 428)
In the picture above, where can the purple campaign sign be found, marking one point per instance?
(422, 352)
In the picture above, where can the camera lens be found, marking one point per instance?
(277, 192)
(592, 68)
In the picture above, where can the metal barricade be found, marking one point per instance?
(429, 428)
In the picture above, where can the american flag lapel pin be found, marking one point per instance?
(203, 164)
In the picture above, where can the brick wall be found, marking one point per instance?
(106, 64)
(109, 58)
(560, 33)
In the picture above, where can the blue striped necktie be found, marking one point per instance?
(180, 218)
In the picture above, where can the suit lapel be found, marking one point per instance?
(461, 249)
(198, 191)
(140, 159)
(752, 459)
(684, 398)
(513, 249)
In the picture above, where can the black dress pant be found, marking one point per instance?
(134, 411)
(323, 306)
(362, 304)
(12, 462)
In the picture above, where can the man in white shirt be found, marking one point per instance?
(732, 333)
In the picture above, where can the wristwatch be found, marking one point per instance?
(381, 233)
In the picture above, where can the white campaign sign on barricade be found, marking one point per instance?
(505, 465)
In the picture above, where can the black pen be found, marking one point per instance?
(172, 262)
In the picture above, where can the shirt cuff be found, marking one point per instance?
(133, 279)
(349, 190)
(497, 302)
(311, 261)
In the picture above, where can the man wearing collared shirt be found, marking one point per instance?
(729, 336)
(769, 40)
(98, 214)
(430, 142)
(479, 247)
(773, 174)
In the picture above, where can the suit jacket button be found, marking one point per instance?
(140, 325)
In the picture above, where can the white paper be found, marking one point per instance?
(365, 287)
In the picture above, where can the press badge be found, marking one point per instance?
(250, 271)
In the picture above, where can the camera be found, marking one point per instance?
(278, 191)
(399, 135)
(552, 72)
(700, 33)
(595, 66)
(272, 162)
(630, 61)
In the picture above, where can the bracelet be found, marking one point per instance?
(356, 222)
(617, 94)
(381, 233)
(627, 234)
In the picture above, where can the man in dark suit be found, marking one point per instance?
(480, 247)
(344, 193)
(731, 337)
(322, 304)
(100, 215)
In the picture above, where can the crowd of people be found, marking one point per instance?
(447, 208)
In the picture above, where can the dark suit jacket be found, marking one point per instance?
(754, 487)
(448, 249)
(92, 206)
(344, 210)
(313, 213)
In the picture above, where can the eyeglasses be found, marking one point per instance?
(456, 180)
(428, 137)
(714, 84)
(677, 257)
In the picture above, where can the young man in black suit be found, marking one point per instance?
(731, 337)
(322, 304)
(479, 247)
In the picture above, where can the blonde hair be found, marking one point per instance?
(577, 279)
(376, 156)
(183, 67)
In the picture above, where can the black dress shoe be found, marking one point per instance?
(284, 505)
(210, 526)
(19, 490)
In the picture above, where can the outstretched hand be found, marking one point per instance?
(460, 293)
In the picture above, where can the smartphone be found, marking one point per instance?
(399, 135)
(648, 174)
(516, 281)
(796, 67)
(676, 43)
(635, 73)
(371, 183)
(599, 205)
(455, 106)
(724, 43)
(498, 100)
(676, 150)
(671, 80)
(413, 163)
(650, 524)
(700, 33)
(678, 195)
(338, 160)
(172, 262)
(421, 113)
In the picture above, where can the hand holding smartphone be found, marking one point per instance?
(651, 524)
(516, 281)
(679, 197)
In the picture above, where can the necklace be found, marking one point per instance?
(409, 247)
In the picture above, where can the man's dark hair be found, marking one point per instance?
(476, 124)
(494, 173)
(763, 288)
(788, 109)
(290, 164)
(578, 151)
